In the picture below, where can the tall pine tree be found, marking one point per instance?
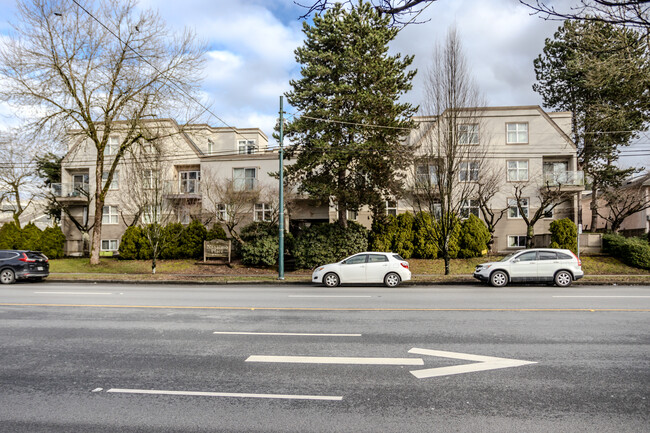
(348, 139)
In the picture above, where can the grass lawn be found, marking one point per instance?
(591, 265)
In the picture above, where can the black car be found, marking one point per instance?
(19, 264)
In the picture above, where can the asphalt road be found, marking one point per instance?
(288, 358)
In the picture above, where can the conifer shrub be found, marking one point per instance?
(172, 248)
(328, 243)
(564, 234)
(131, 243)
(403, 239)
(191, 240)
(262, 244)
(216, 232)
(424, 245)
(382, 233)
(473, 238)
(631, 251)
(52, 242)
(10, 236)
(31, 238)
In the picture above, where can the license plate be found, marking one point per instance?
(40, 268)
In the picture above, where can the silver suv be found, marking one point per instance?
(561, 267)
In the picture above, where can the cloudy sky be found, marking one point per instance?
(251, 45)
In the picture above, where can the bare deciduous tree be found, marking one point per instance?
(402, 11)
(624, 201)
(490, 182)
(447, 169)
(17, 171)
(87, 67)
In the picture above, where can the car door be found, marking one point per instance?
(353, 270)
(524, 267)
(376, 268)
(547, 264)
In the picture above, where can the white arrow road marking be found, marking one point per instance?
(284, 333)
(73, 293)
(225, 394)
(335, 360)
(483, 363)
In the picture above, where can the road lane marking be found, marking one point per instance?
(335, 360)
(329, 296)
(73, 293)
(197, 307)
(588, 296)
(225, 394)
(285, 333)
(483, 363)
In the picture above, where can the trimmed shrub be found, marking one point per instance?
(262, 244)
(564, 234)
(191, 240)
(453, 241)
(172, 248)
(31, 238)
(216, 232)
(473, 238)
(403, 240)
(130, 243)
(382, 234)
(631, 251)
(11, 237)
(423, 241)
(52, 242)
(328, 243)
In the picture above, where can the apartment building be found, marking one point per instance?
(526, 148)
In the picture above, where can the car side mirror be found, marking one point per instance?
(515, 260)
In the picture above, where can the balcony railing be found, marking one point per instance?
(568, 178)
(71, 190)
(183, 188)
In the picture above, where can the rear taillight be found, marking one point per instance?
(404, 264)
(26, 259)
(577, 258)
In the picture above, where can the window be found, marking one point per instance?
(79, 185)
(548, 211)
(468, 134)
(517, 133)
(210, 147)
(517, 171)
(151, 214)
(222, 213)
(149, 179)
(516, 241)
(356, 260)
(469, 207)
(246, 146)
(556, 172)
(391, 208)
(377, 258)
(109, 244)
(527, 257)
(262, 212)
(353, 215)
(426, 175)
(190, 182)
(513, 209)
(245, 179)
(109, 215)
(468, 171)
(114, 183)
(112, 146)
(546, 255)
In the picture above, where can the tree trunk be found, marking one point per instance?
(530, 233)
(96, 243)
(594, 211)
(447, 260)
(153, 264)
(343, 216)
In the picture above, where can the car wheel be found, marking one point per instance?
(563, 278)
(392, 280)
(331, 280)
(499, 279)
(7, 276)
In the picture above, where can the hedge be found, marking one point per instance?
(564, 234)
(325, 243)
(473, 238)
(49, 241)
(634, 252)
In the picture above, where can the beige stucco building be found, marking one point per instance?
(524, 146)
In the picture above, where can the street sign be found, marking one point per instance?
(482, 363)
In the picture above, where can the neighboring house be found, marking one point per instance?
(34, 213)
(525, 144)
(634, 225)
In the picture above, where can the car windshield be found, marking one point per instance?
(508, 257)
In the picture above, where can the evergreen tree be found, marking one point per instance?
(348, 139)
(601, 74)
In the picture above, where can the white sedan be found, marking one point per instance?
(368, 267)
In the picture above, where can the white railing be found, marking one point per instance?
(75, 189)
(569, 178)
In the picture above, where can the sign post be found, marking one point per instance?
(281, 222)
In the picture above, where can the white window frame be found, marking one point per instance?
(111, 243)
(246, 147)
(517, 133)
(513, 209)
(468, 134)
(110, 215)
(426, 174)
(468, 207)
(262, 212)
(352, 215)
(518, 168)
(148, 178)
(192, 177)
(222, 212)
(151, 214)
(515, 241)
(112, 145)
(210, 147)
(115, 183)
(243, 182)
(468, 171)
(391, 207)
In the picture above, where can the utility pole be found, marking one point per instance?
(281, 170)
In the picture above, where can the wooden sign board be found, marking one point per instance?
(217, 248)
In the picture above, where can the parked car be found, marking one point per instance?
(561, 267)
(368, 267)
(20, 264)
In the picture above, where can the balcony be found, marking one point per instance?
(183, 190)
(567, 180)
(70, 192)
